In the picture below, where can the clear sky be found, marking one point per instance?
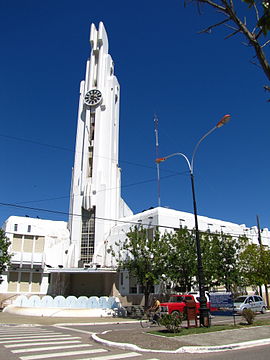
(164, 66)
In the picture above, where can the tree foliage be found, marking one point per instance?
(255, 260)
(181, 263)
(143, 255)
(220, 253)
(252, 23)
(4, 254)
(227, 261)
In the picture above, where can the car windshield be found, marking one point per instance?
(176, 299)
(240, 299)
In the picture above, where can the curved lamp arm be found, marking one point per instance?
(223, 121)
(159, 160)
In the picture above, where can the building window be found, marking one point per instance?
(132, 285)
(28, 244)
(12, 281)
(29, 228)
(15, 227)
(36, 282)
(39, 244)
(88, 236)
(24, 282)
(17, 242)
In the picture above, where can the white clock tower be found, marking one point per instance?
(95, 201)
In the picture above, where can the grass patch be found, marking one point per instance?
(213, 328)
(261, 322)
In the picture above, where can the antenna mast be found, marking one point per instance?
(158, 174)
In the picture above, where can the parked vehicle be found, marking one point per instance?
(253, 302)
(177, 303)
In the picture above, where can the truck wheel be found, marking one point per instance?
(175, 313)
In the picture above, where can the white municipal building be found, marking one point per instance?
(59, 258)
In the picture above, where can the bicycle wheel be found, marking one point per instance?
(145, 323)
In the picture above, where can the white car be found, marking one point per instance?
(253, 302)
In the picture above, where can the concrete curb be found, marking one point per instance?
(183, 349)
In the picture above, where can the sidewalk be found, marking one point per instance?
(142, 340)
(14, 319)
(139, 339)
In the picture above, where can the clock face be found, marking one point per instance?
(93, 97)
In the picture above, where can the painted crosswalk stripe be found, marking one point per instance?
(61, 354)
(114, 357)
(39, 338)
(30, 331)
(14, 330)
(32, 337)
(42, 343)
(51, 348)
(27, 334)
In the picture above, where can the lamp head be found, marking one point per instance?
(224, 120)
(159, 160)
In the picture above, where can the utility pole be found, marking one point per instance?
(157, 164)
(260, 243)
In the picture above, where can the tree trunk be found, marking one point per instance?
(146, 295)
(266, 295)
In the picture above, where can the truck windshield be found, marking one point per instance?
(176, 299)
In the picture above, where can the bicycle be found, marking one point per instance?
(150, 319)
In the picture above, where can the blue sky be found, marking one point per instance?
(165, 67)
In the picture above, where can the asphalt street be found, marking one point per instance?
(72, 341)
(50, 342)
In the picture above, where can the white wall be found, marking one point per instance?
(101, 188)
(56, 248)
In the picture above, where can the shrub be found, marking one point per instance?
(172, 322)
(248, 315)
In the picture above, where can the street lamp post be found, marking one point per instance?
(204, 311)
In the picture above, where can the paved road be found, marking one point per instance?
(39, 343)
(72, 342)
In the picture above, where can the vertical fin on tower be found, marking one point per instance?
(102, 38)
(93, 37)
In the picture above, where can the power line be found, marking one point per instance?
(36, 142)
(74, 152)
(113, 220)
(109, 189)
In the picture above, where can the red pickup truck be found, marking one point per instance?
(177, 303)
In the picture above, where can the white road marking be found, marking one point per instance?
(39, 338)
(42, 343)
(27, 331)
(78, 330)
(50, 348)
(33, 337)
(61, 354)
(113, 357)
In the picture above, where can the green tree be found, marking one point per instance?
(181, 263)
(252, 24)
(4, 254)
(143, 254)
(255, 260)
(221, 259)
